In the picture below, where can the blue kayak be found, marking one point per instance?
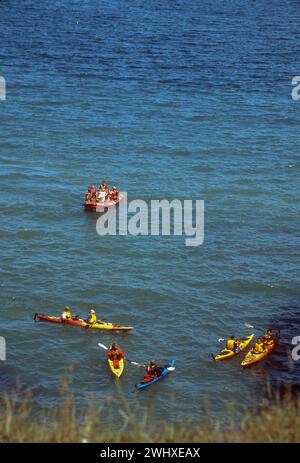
(163, 374)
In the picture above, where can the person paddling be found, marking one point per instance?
(66, 315)
(258, 347)
(232, 344)
(92, 318)
(115, 354)
(152, 371)
(268, 338)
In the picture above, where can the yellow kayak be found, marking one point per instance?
(105, 326)
(252, 357)
(116, 371)
(227, 353)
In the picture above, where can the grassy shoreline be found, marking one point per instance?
(19, 422)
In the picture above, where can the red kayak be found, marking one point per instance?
(98, 206)
(47, 318)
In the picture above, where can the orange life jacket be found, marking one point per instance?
(115, 354)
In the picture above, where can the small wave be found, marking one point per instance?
(27, 234)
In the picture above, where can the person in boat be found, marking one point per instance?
(103, 192)
(258, 347)
(114, 194)
(66, 315)
(115, 354)
(268, 338)
(152, 371)
(93, 194)
(232, 344)
(88, 193)
(92, 318)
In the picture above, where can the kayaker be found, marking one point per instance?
(66, 315)
(258, 347)
(232, 344)
(115, 354)
(92, 318)
(268, 337)
(114, 194)
(152, 370)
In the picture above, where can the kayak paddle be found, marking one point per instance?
(260, 328)
(130, 361)
(248, 325)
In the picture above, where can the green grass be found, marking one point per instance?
(20, 422)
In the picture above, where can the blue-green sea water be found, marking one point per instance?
(188, 100)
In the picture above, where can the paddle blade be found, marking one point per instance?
(102, 346)
(249, 326)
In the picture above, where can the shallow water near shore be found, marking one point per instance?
(165, 101)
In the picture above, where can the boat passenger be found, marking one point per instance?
(232, 344)
(92, 318)
(102, 192)
(115, 354)
(114, 194)
(152, 370)
(269, 337)
(66, 315)
(93, 194)
(258, 347)
(88, 193)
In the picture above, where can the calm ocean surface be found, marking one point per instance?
(166, 100)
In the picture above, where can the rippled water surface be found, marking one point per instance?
(166, 100)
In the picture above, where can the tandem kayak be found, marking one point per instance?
(98, 206)
(116, 370)
(227, 353)
(83, 323)
(167, 369)
(252, 357)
